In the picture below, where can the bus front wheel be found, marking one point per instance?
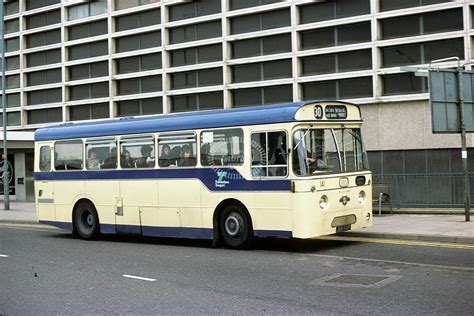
(235, 227)
(86, 221)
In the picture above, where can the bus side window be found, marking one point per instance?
(177, 150)
(137, 151)
(45, 158)
(269, 154)
(68, 155)
(222, 147)
(101, 153)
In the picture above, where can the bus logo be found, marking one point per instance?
(344, 200)
(220, 182)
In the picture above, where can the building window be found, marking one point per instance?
(89, 111)
(44, 116)
(140, 41)
(261, 46)
(141, 19)
(336, 36)
(413, 25)
(43, 77)
(86, 71)
(196, 55)
(87, 30)
(421, 53)
(139, 85)
(140, 107)
(195, 32)
(12, 63)
(197, 101)
(338, 89)
(194, 9)
(260, 21)
(240, 4)
(124, 4)
(44, 96)
(13, 100)
(13, 81)
(11, 8)
(403, 84)
(43, 19)
(43, 38)
(13, 118)
(12, 26)
(333, 9)
(35, 4)
(387, 5)
(89, 91)
(196, 78)
(88, 50)
(340, 62)
(87, 9)
(262, 71)
(12, 44)
(260, 96)
(138, 63)
(43, 58)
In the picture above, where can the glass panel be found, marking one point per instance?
(400, 26)
(13, 100)
(277, 94)
(68, 155)
(137, 152)
(101, 154)
(222, 147)
(129, 64)
(240, 4)
(277, 69)
(128, 86)
(128, 43)
(11, 8)
(210, 100)
(45, 158)
(443, 21)
(354, 60)
(246, 97)
(128, 108)
(124, 4)
(276, 44)
(269, 154)
(151, 106)
(403, 83)
(209, 53)
(321, 90)
(177, 150)
(353, 155)
(12, 26)
(401, 55)
(442, 49)
(12, 44)
(79, 92)
(314, 152)
(321, 64)
(208, 30)
(13, 82)
(150, 84)
(353, 33)
(12, 63)
(150, 40)
(247, 72)
(317, 12)
(151, 61)
(345, 8)
(274, 19)
(246, 48)
(246, 23)
(318, 38)
(209, 77)
(99, 69)
(355, 88)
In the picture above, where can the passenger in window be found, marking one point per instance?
(126, 161)
(165, 157)
(111, 161)
(92, 161)
(146, 160)
(187, 160)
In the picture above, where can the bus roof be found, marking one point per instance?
(256, 115)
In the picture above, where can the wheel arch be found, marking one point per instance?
(218, 211)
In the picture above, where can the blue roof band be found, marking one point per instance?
(256, 115)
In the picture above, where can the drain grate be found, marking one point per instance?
(356, 280)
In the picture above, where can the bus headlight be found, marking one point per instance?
(323, 202)
(361, 198)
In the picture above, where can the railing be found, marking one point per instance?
(427, 190)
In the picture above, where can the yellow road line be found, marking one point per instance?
(396, 242)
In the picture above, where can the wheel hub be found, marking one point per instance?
(90, 219)
(232, 225)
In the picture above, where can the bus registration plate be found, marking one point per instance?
(343, 228)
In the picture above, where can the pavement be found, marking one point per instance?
(417, 224)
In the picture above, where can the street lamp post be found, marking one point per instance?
(6, 178)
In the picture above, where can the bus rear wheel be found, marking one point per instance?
(86, 221)
(235, 227)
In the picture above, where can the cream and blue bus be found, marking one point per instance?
(296, 170)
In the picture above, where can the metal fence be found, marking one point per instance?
(426, 190)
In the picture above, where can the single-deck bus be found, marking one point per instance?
(289, 170)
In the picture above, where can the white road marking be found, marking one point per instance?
(138, 278)
(4, 256)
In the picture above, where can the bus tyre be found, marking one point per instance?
(86, 221)
(235, 227)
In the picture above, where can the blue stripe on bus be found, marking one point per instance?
(171, 232)
(231, 181)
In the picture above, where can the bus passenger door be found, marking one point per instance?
(44, 189)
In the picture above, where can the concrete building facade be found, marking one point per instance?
(72, 60)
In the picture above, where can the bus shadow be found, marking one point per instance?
(292, 245)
